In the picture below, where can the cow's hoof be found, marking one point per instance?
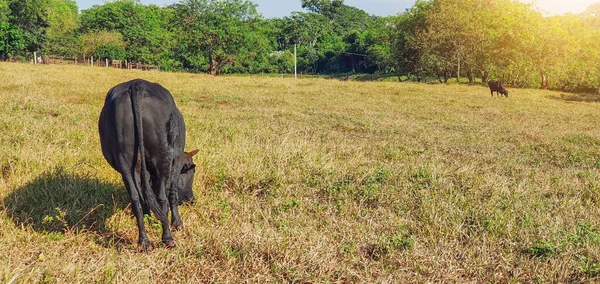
(145, 246)
(169, 244)
(177, 225)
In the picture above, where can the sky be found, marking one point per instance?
(282, 8)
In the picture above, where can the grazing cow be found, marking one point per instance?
(142, 135)
(498, 87)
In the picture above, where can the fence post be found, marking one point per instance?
(34, 57)
(92, 61)
(106, 62)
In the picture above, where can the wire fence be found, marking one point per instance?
(36, 58)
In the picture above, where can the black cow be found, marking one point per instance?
(142, 135)
(498, 87)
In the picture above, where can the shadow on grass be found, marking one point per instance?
(576, 97)
(396, 77)
(366, 77)
(61, 202)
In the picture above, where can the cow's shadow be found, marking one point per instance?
(576, 97)
(61, 202)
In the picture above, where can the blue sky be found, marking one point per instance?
(281, 8)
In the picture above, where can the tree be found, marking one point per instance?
(379, 49)
(12, 40)
(306, 29)
(31, 18)
(218, 34)
(324, 7)
(143, 28)
(409, 48)
(281, 62)
(110, 51)
(103, 44)
(454, 35)
(62, 24)
(342, 43)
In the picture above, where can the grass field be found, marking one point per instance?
(312, 180)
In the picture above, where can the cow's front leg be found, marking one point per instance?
(176, 221)
(167, 237)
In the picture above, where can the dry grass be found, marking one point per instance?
(307, 181)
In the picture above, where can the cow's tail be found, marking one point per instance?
(149, 198)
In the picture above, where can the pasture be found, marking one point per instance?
(311, 180)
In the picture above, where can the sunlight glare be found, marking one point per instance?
(559, 7)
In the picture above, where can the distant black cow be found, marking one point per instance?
(498, 87)
(142, 133)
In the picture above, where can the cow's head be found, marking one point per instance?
(504, 92)
(186, 178)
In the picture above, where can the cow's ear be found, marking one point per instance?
(192, 154)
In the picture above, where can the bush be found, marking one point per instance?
(110, 51)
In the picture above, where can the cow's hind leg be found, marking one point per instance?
(145, 206)
(144, 243)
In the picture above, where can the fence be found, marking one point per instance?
(107, 63)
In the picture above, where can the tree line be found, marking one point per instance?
(438, 40)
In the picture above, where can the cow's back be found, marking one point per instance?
(164, 129)
(494, 85)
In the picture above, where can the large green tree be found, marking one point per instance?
(31, 18)
(344, 38)
(12, 40)
(218, 36)
(143, 29)
(409, 47)
(62, 25)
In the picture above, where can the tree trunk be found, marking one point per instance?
(470, 76)
(418, 77)
(458, 72)
(544, 81)
(213, 67)
(485, 77)
(446, 76)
